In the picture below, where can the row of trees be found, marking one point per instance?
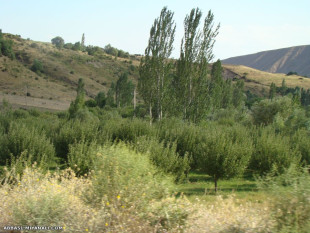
(184, 88)
(299, 95)
(120, 94)
(59, 42)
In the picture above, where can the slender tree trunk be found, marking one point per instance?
(215, 184)
(151, 117)
(134, 102)
(158, 97)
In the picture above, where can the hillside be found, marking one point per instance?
(259, 82)
(295, 59)
(55, 88)
(62, 69)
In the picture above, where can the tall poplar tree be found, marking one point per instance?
(192, 85)
(155, 66)
(83, 42)
(79, 101)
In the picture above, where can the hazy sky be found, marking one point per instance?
(247, 26)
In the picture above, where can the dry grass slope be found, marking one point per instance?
(256, 80)
(62, 69)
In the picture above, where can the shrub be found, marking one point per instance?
(81, 156)
(300, 141)
(100, 99)
(290, 203)
(272, 151)
(225, 153)
(58, 199)
(73, 131)
(20, 138)
(20, 114)
(37, 66)
(126, 129)
(164, 157)
(42, 200)
(34, 45)
(122, 172)
(58, 42)
(265, 111)
(91, 103)
(6, 48)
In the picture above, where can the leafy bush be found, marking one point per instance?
(225, 153)
(91, 103)
(74, 131)
(20, 138)
(37, 66)
(65, 200)
(20, 113)
(272, 151)
(100, 99)
(58, 42)
(121, 172)
(6, 48)
(300, 141)
(40, 199)
(81, 156)
(164, 157)
(127, 130)
(290, 202)
(265, 111)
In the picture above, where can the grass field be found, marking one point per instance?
(202, 186)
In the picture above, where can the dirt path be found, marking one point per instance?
(31, 102)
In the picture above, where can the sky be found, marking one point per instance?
(247, 26)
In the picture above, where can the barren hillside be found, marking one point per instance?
(293, 59)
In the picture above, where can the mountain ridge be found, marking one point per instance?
(284, 60)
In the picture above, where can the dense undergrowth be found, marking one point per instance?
(117, 174)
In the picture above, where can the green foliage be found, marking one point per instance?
(83, 42)
(58, 42)
(121, 173)
(91, 50)
(127, 130)
(74, 131)
(122, 54)
(297, 120)
(110, 50)
(91, 103)
(22, 139)
(291, 203)
(272, 91)
(164, 157)
(100, 99)
(6, 48)
(154, 68)
(81, 156)
(77, 46)
(292, 73)
(300, 141)
(68, 46)
(110, 100)
(264, 112)
(78, 103)
(272, 152)
(225, 153)
(124, 91)
(251, 98)
(191, 82)
(238, 96)
(37, 66)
